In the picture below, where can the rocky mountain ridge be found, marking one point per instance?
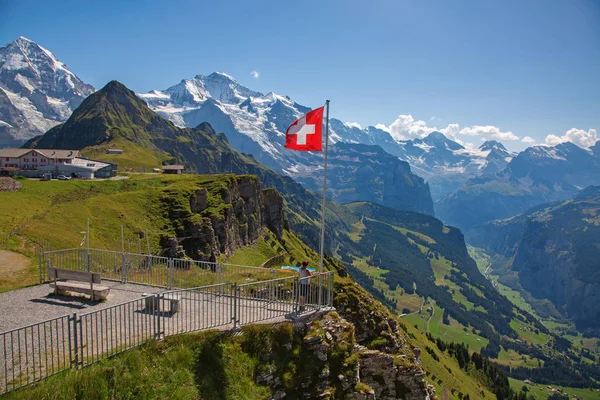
(538, 175)
(37, 91)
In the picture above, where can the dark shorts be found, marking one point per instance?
(304, 289)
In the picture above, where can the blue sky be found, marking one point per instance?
(477, 69)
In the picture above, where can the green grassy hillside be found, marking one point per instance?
(57, 212)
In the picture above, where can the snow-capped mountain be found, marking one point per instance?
(255, 123)
(537, 175)
(37, 91)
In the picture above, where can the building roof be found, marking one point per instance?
(89, 164)
(13, 153)
(172, 167)
(48, 153)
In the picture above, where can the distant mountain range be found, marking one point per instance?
(537, 175)
(554, 251)
(37, 91)
(255, 123)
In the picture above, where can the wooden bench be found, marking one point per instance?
(152, 301)
(62, 282)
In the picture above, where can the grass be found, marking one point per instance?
(16, 271)
(203, 365)
(134, 158)
(56, 212)
(446, 374)
(541, 392)
(455, 332)
(527, 332)
(513, 359)
(254, 254)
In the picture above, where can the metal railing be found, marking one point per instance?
(110, 331)
(152, 270)
(196, 309)
(275, 298)
(37, 351)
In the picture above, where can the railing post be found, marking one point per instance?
(124, 267)
(296, 294)
(42, 267)
(89, 260)
(171, 275)
(235, 303)
(74, 353)
(330, 291)
(156, 311)
(320, 297)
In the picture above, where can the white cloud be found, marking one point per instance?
(528, 140)
(451, 131)
(578, 136)
(255, 74)
(406, 127)
(382, 127)
(354, 125)
(488, 131)
(553, 140)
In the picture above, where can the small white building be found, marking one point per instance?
(173, 169)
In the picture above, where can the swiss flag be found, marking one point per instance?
(305, 134)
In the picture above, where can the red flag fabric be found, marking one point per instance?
(305, 134)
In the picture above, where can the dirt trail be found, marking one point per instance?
(15, 271)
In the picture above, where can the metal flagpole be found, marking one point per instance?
(323, 199)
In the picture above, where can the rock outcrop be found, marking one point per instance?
(334, 365)
(222, 216)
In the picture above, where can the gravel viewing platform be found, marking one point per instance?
(38, 303)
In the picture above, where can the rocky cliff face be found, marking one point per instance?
(221, 216)
(334, 365)
(557, 258)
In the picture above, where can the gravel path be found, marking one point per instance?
(37, 303)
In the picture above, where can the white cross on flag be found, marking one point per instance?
(305, 134)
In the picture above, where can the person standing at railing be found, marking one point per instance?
(304, 283)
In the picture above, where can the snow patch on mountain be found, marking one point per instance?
(38, 90)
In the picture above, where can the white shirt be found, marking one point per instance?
(304, 274)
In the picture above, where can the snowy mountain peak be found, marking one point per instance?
(191, 93)
(221, 75)
(436, 136)
(439, 140)
(37, 91)
(492, 144)
(22, 40)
